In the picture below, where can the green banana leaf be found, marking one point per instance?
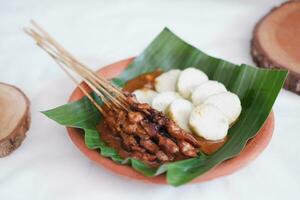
(257, 88)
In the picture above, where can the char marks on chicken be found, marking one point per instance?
(148, 135)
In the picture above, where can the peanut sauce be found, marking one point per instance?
(142, 81)
(147, 81)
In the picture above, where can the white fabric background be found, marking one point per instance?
(48, 165)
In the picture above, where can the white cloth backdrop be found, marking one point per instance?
(49, 166)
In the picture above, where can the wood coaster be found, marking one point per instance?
(276, 42)
(14, 118)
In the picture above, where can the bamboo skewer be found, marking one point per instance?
(82, 70)
(63, 51)
(82, 89)
(60, 62)
(109, 94)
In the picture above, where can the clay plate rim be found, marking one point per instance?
(253, 148)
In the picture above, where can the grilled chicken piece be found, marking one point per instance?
(148, 135)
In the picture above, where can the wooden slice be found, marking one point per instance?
(14, 118)
(276, 42)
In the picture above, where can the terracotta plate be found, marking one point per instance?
(253, 148)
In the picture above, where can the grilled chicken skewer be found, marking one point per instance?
(146, 134)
